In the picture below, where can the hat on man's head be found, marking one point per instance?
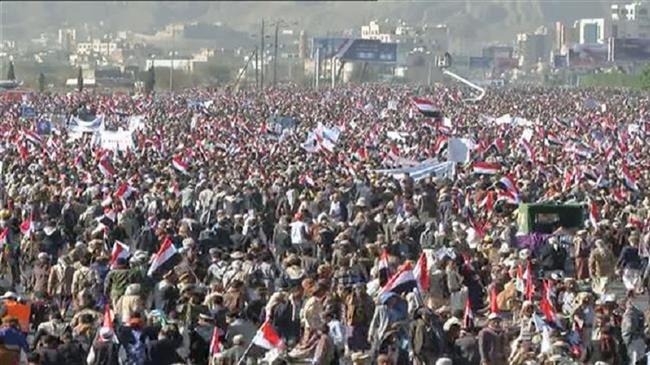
(494, 316)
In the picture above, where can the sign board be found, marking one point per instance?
(44, 127)
(328, 46)
(370, 50)
(116, 141)
(27, 111)
(76, 124)
(480, 62)
(631, 49)
(348, 49)
(278, 124)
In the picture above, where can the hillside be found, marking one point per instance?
(474, 20)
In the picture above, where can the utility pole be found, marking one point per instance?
(171, 65)
(317, 67)
(263, 50)
(257, 69)
(275, 54)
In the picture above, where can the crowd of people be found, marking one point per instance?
(219, 237)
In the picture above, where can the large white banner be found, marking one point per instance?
(422, 170)
(136, 122)
(458, 149)
(81, 126)
(116, 141)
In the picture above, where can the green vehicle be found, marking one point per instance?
(547, 218)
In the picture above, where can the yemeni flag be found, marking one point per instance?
(106, 169)
(384, 268)
(267, 338)
(530, 152)
(629, 180)
(4, 238)
(361, 154)
(546, 305)
(427, 108)
(109, 217)
(619, 196)
(306, 180)
(440, 145)
(180, 165)
(528, 276)
(486, 168)
(508, 183)
(494, 304)
(569, 176)
(215, 343)
(468, 315)
(421, 272)
(24, 153)
(27, 226)
(120, 250)
(403, 281)
(488, 202)
(499, 145)
(554, 140)
(33, 137)
(509, 196)
(124, 191)
(165, 252)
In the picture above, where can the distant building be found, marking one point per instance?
(303, 47)
(105, 48)
(591, 31)
(532, 47)
(436, 38)
(560, 36)
(630, 20)
(494, 52)
(375, 30)
(67, 38)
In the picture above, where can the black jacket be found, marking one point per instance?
(106, 353)
(162, 352)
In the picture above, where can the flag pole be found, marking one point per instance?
(243, 356)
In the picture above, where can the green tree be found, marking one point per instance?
(645, 78)
(80, 80)
(150, 80)
(41, 82)
(10, 73)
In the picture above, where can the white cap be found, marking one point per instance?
(453, 321)
(494, 316)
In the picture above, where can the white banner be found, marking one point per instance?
(78, 125)
(116, 141)
(458, 150)
(136, 122)
(424, 169)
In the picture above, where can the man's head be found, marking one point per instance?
(494, 321)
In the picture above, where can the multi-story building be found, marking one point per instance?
(104, 48)
(375, 30)
(592, 31)
(67, 38)
(533, 47)
(630, 20)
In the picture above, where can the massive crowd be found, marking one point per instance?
(219, 237)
